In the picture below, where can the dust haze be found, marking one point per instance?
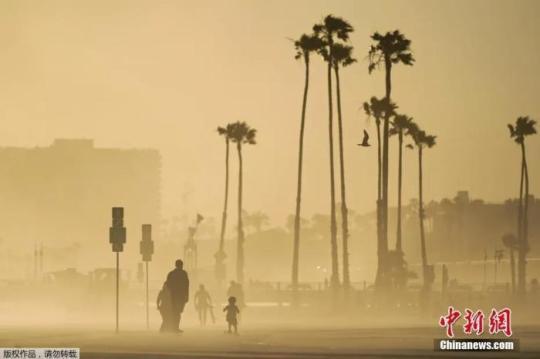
(210, 121)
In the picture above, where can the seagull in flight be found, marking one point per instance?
(365, 142)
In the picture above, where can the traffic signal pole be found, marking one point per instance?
(117, 238)
(147, 249)
(117, 287)
(147, 312)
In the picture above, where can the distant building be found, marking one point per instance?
(64, 193)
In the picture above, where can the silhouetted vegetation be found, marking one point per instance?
(305, 46)
(331, 28)
(423, 141)
(523, 127)
(241, 134)
(220, 269)
(388, 50)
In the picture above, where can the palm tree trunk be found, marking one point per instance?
(421, 217)
(240, 244)
(380, 254)
(386, 140)
(220, 255)
(524, 243)
(344, 210)
(388, 77)
(334, 279)
(296, 248)
(520, 222)
(225, 204)
(379, 159)
(400, 171)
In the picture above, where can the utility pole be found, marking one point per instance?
(147, 249)
(117, 237)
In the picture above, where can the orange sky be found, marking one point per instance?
(165, 74)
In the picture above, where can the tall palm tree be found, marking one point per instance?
(220, 254)
(379, 109)
(523, 127)
(401, 127)
(389, 49)
(422, 140)
(342, 55)
(330, 28)
(304, 47)
(241, 134)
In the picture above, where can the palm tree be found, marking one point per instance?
(512, 243)
(401, 127)
(220, 254)
(389, 49)
(304, 47)
(379, 109)
(241, 134)
(422, 140)
(256, 220)
(342, 55)
(523, 127)
(330, 27)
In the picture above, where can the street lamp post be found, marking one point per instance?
(117, 238)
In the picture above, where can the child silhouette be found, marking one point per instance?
(232, 314)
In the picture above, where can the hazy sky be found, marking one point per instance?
(165, 74)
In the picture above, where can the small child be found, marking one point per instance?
(232, 314)
(164, 305)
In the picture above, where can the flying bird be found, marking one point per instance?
(365, 142)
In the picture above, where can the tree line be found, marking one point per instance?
(330, 39)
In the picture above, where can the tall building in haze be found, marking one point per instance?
(62, 195)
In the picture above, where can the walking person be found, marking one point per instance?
(203, 304)
(178, 284)
(232, 315)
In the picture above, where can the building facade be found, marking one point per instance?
(62, 195)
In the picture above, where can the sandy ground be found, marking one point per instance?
(255, 342)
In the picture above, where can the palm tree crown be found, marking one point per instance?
(379, 108)
(524, 126)
(225, 131)
(306, 45)
(401, 123)
(330, 27)
(333, 25)
(392, 46)
(420, 137)
(241, 133)
(342, 55)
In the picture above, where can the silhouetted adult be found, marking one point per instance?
(178, 284)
